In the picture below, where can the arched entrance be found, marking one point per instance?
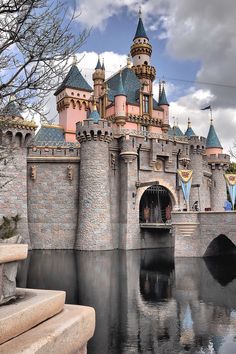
(155, 205)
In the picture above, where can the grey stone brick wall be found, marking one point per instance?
(53, 204)
(13, 188)
(94, 226)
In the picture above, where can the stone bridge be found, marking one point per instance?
(199, 234)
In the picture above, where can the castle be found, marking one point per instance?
(108, 170)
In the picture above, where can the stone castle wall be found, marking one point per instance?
(53, 199)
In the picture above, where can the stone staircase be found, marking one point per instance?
(186, 229)
(38, 321)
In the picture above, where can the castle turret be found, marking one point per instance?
(120, 103)
(94, 224)
(219, 163)
(98, 79)
(164, 104)
(189, 132)
(141, 52)
(213, 145)
(72, 98)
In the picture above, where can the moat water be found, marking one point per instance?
(145, 301)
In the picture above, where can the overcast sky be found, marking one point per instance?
(194, 50)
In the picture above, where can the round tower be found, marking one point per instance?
(197, 150)
(120, 103)
(219, 163)
(94, 222)
(98, 79)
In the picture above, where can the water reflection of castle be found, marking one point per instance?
(145, 303)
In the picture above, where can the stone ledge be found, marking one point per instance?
(66, 333)
(31, 308)
(12, 252)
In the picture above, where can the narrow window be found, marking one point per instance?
(145, 104)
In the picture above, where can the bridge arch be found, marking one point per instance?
(220, 246)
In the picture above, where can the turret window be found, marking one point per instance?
(145, 104)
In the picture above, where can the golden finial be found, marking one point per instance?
(189, 123)
(75, 61)
(140, 12)
(129, 63)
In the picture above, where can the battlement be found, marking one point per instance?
(44, 151)
(197, 140)
(218, 159)
(89, 130)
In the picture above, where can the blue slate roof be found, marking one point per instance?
(75, 80)
(175, 131)
(49, 134)
(95, 116)
(212, 139)
(140, 32)
(189, 132)
(131, 85)
(163, 100)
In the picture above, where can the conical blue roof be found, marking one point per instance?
(94, 115)
(212, 139)
(163, 100)
(12, 109)
(175, 131)
(140, 32)
(75, 80)
(189, 132)
(99, 66)
(120, 89)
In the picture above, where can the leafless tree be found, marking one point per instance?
(36, 43)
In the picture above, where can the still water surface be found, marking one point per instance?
(145, 301)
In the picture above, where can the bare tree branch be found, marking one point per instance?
(36, 43)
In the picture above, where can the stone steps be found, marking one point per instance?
(65, 333)
(31, 308)
(186, 229)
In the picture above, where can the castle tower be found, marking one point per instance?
(72, 99)
(197, 150)
(141, 52)
(163, 103)
(219, 162)
(120, 103)
(15, 135)
(98, 79)
(94, 223)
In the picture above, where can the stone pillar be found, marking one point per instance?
(218, 188)
(94, 223)
(129, 211)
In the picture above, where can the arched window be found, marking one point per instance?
(145, 104)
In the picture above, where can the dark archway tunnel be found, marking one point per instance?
(220, 246)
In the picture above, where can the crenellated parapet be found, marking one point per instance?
(220, 161)
(197, 144)
(145, 72)
(16, 131)
(89, 130)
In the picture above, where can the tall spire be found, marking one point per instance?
(120, 89)
(99, 66)
(140, 32)
(163, 100)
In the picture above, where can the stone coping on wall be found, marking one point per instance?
(13, 252)
(53, 159)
